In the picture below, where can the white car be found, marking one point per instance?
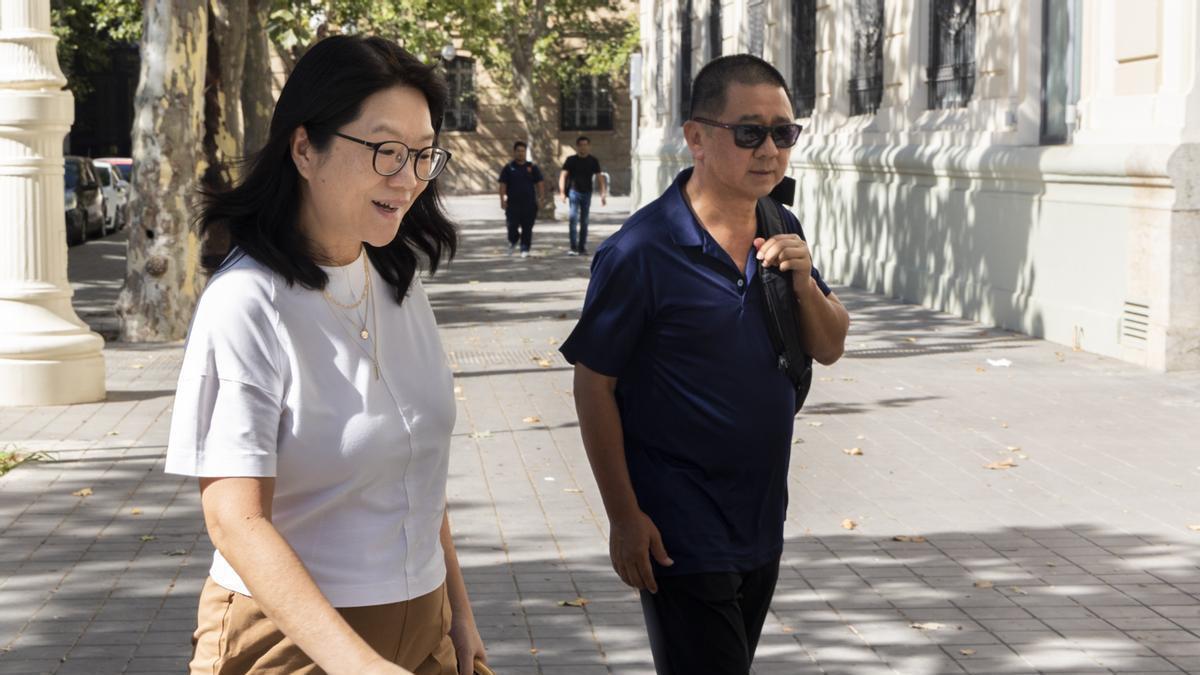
(116, 196)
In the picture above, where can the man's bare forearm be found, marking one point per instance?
(600, 426)
(824, 323)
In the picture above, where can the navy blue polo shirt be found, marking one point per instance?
(706, 414)
(521, 181)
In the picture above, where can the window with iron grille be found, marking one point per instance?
(714, 29)
(460, 109)
(866, 68)
(756, 22)
(587, 104)
(804, 56)
(685, 61)
(660, 58)
(951, 53)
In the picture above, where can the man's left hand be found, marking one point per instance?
(789, 253)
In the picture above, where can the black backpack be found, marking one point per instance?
(782, 312)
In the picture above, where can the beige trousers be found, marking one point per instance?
(234, 637)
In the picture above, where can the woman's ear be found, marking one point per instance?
(303, 153)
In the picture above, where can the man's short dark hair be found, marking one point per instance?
(520, 144)
(712, 82)
(582, 139)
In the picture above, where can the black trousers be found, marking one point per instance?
(708, 623)
(520, 226)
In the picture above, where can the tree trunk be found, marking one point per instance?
(223, 136)
(542, 144)
(162, 281)
(257, 100)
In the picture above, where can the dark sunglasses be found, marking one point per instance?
(391, 156)
(753, 135)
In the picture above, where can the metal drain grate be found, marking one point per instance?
(504, 357)
(1135, 324)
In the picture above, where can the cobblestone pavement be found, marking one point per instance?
(1074, 555)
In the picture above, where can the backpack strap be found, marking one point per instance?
(782, 313)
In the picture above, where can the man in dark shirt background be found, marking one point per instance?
(575, 186)
(686, 418)
(521, 190)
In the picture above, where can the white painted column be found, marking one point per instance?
(47, 355)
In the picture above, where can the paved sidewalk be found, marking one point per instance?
(1076, 559)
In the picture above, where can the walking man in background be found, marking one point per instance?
(575, 186)
(685, 416)
(521, 191)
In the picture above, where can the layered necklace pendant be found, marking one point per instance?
(365, 298)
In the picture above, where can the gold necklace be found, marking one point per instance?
(366, 285)
(369, 297)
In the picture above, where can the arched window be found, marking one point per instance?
(804, 56)
(866, 66)
(715, 30)
(756, 23)
(685, 60)
(460, 109)
(951, 53)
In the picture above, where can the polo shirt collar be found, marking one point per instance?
(681, 222)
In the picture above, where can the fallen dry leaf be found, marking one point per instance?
(577, 602)
(860, 437)
(543, 363)
(1014, 448)
(984, 584)
(815, 424)
(473, 281)
(1060, 356)
(784, 628)
(967, 651)
(910, 339)
(853, 452)
(927, 625)
(848, 379)
(532, 419)
(82, 492)
(1004, 425)
(1002, 464)
(910, 538)
(574, 491)
(135, 511)
(175, 552)
(137, 366)
(1194, 528)
(1018, 590)
(980, 369)
(148, 537)
(848, 524)
(481, 434)
(825, 379)
(114, 433)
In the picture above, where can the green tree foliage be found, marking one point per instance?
(86, 31)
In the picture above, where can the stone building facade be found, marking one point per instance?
(1031, 164)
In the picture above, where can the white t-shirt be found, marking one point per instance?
(275, 383)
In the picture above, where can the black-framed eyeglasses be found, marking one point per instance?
(391, 156)
(753, 135)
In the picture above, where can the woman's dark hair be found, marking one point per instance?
(326, 91)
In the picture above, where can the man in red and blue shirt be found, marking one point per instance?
(521, 190)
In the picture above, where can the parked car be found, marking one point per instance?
(123, 165)
(116, 195)
(83, 200)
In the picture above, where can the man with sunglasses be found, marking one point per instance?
(685, 415)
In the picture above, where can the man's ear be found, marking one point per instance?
(693, 134)
(303, 152)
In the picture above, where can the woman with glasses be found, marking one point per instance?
(314, 403)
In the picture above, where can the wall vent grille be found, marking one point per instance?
(1135, 324)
